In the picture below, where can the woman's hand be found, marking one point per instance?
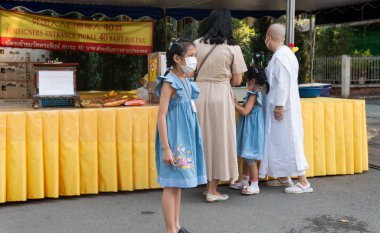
(235, 100)
(168, 157)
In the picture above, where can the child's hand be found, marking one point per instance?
(168, 157)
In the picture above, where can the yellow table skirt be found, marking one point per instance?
(52, 153)
(335, 136)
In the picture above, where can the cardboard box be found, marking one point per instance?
(156, 67)
(12, 71)
(8, 54)
(16, 103)
(14, 90)
(37, 55)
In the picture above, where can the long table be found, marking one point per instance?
(49, 153)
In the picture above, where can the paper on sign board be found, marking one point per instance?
(56, 82)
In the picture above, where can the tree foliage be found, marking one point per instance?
(334, 41)
(243, 34)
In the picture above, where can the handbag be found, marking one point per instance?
(203, 62)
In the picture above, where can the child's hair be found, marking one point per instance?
(177, 46)
(258, 74)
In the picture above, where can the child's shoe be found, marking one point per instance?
(251, 190)
(240, 185)
(183, 230)
(215, 198)
(299, 188)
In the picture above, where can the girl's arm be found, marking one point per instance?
(248, 106)
(166, 93)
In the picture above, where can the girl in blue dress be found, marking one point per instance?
(250, 131)
(179, 150)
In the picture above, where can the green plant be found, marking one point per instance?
(362, 53)
(244, 34)
(360, 66)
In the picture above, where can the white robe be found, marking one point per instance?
(283, 152)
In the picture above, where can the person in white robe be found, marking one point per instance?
(284, 151)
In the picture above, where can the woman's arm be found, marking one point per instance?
(248, 106)
(236, 79)
(166, 93)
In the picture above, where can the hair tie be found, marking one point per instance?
(170, 45)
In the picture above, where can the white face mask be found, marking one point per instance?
(191, 65)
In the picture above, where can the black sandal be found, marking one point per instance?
(183, 230)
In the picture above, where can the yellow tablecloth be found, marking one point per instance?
(52, 153)
(335, 136)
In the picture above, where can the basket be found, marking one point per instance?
(309, 92)
(59, 102)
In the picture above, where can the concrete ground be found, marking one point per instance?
(339, 204)
(373, 124)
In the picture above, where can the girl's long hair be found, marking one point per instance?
(219, 28)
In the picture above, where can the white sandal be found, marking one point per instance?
(250, 190)
(214, 198)
(239, 186)
(299, 188)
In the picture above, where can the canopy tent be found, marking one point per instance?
(352, 13)
(327, 11)
(336, 11)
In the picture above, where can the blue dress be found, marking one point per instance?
(250, 130)
(184, 136)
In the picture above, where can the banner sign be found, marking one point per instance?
(41, 32)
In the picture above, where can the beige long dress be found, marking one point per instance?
(216, 111)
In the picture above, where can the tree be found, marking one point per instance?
(260, 52)
(243, 34)
(333, 41)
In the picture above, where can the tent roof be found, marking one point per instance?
(328, 11)
(251, 5)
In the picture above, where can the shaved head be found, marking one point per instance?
(277, 32)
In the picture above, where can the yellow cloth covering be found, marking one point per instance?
(335, 136)
(52, 153)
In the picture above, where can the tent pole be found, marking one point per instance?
(290, 15)
(166, 28)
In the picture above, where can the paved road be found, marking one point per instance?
(354, 198)
(373, 124)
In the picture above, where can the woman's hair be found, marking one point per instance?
(258, 74)
(219, 28)
(177, 46)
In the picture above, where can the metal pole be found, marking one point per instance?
(290, 15)
(312, 45)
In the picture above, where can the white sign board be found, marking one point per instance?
(56, 82)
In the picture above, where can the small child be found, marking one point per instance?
(179, 150)
(250, 131)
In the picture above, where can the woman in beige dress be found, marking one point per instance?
(215, 105)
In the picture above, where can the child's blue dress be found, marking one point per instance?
(250, 130)
(184, 136)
